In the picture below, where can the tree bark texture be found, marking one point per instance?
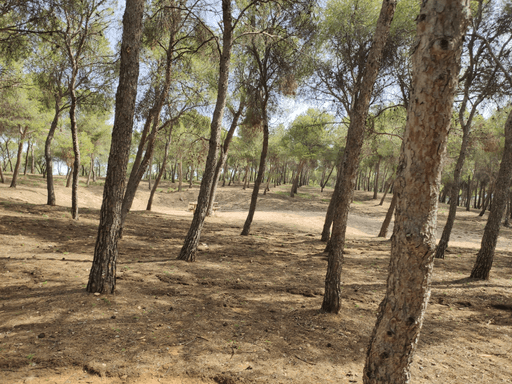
(484, 259)
(355, 136)
(436, 64)
(102, 277)
(188, 251)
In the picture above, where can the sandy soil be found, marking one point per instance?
(247, 311)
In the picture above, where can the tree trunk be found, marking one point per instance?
(377, 174)
(295, 183)
(180, 174)
(188, 251)
(329, 216)
(102, 277)
(140, 166)
(487, 199)
(355, 136)
(162, 168)
(224, 155)
(14, 180)
(436, 65)
(389, 215)
(484, 259)
(2, 176)
(26, 158)
(91, 169)
(386, 190)
(261, 171)
(76, 146)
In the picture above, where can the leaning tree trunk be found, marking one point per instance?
(102, 277)
(224, 155)
(261, 171)
(16, 171)
(329, 216)
(389, 215)
(355, 136)
(436, 65)
(484, 259)
(153, 120)
(454, 193)
(188, 251)
(162, 168)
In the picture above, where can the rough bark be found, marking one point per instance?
(188, 251)
(257, 183)
(329, 216)
(436, 64)
(484, 259)
(153, 120)
(102, 277)
(355, 136)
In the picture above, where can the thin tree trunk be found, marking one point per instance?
(355, 136)
(14, 180)
(26, 158)
(180, 174)
(295, 183)
(102, 277)
(389, 215)
(76, 148)
(2, 176)
(261, 171)
(188, 251)
(377, 174)
(162, 168)
(484, 259)
(386, 190)
(91, 169)
(436, 65)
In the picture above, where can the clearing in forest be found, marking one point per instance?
(246, 311)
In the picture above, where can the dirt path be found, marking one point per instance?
(246, 312)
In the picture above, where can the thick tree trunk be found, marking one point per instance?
(355, 136)
(484, 259)
(389, 215)
(261, 171)
(102, 277)
(436, 65)
(188, 251)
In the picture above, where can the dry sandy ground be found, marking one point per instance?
(246, 312)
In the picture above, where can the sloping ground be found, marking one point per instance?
(247, 311)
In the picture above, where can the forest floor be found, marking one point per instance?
(247, 311)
